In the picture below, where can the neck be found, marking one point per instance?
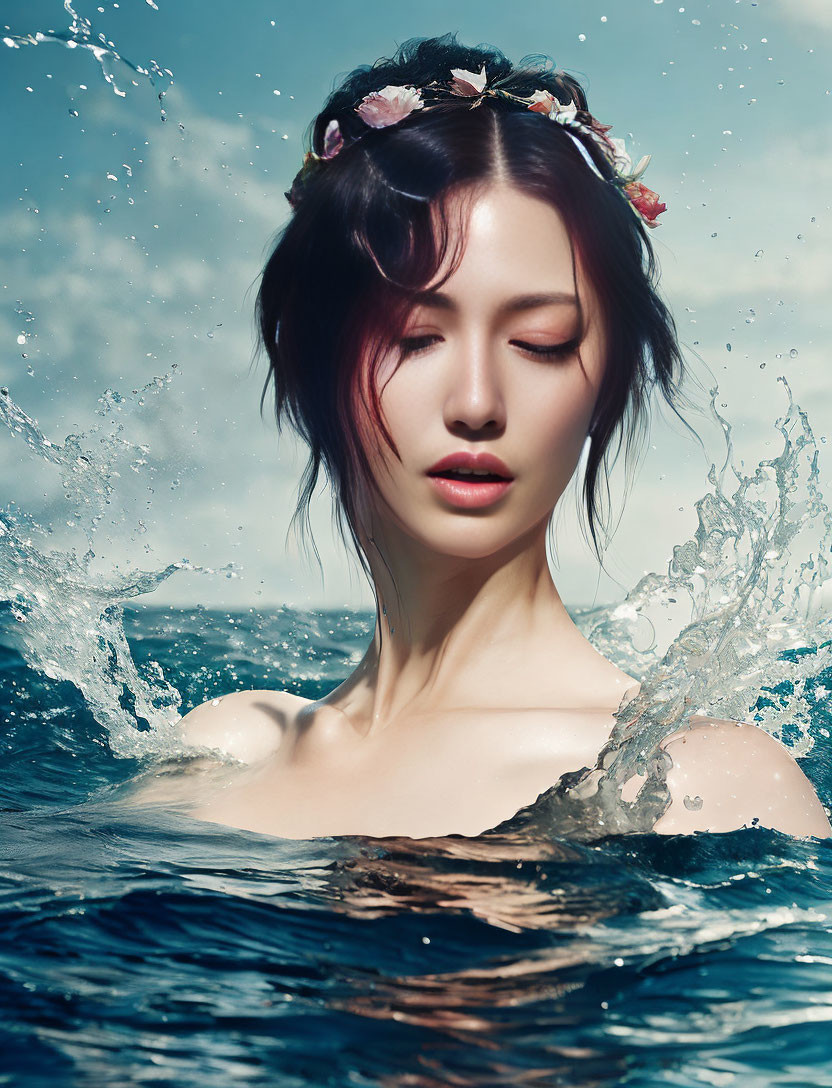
(451, 630)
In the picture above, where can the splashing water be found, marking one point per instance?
(68, 619)
(756, 644)
(80, 35)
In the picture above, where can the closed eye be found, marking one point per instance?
(414, 345)
(555, 351)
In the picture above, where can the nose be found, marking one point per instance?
(475, 397)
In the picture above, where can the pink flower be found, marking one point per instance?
(388, 106)
(645, 201)
(467, 83)
(545, 102)
(333, 140)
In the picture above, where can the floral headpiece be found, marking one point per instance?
(391, 104)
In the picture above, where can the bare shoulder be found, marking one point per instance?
(246, 725)
(727, 775)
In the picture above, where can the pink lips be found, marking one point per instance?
(473, 493)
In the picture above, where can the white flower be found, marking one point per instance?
(642, 166)
(467, 83)
(623, 162)
(562, 114)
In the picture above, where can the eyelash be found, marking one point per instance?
(557, 351)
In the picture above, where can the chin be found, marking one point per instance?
(471, 537)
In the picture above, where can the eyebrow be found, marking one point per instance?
(519, 303)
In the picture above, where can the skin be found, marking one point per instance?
(478, 692)
(472, 385)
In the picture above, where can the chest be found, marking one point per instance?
(460, 774)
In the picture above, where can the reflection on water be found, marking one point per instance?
(560, 948)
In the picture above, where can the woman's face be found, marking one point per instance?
(472, 380)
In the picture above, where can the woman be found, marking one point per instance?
(462, 306)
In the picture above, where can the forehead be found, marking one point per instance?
(509, 305)
(516, 255)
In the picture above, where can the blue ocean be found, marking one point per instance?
(138, 946)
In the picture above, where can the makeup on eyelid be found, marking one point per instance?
(414, 345)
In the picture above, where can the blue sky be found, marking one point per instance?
(130, 244)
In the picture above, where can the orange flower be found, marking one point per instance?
(542, 101)
(645, 201)
(545, 102)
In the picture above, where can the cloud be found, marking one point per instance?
(128, 272)
(816, 13)
(748, 230)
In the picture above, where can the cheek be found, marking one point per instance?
(554, 438)
(410, 406)
(559, 418)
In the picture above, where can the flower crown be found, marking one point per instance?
(392, 104)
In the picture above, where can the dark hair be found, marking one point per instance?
(362, 239)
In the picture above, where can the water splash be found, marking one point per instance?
(67, 619)
(80, 35)
(754, 645)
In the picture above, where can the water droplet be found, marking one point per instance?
(793, 353)
(714, 234)
(727, 347)
(21, 338)
(759, 253)
(692, 803)
(762, 366)
(582, 37)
